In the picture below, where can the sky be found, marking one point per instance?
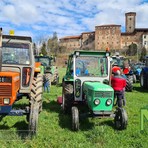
(41, 18)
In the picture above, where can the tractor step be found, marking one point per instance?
(18, 112)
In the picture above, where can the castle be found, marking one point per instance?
(109, 36)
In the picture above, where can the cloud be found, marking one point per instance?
(68, 17)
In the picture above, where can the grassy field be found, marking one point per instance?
(54, 128)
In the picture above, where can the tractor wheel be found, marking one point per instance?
(120, 119)
(33, 118)
(129, 83)
(143, 80)
(67, 97)
(75, 118)
(134, 78)
(35, 103)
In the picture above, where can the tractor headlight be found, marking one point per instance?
(108, 102)
(6, 101)
(96, 101)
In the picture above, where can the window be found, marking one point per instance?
(15, 53)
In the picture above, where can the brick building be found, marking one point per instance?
(110, 36)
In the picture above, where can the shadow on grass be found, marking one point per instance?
(109, 123)
(65, 120)
(21, 132)
(140, 89)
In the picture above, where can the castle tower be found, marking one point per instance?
(130, 21)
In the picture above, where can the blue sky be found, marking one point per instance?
(40, 18)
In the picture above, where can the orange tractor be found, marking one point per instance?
(19, 78)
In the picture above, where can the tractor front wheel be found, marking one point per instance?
(75, 118)
(33, 118)
(120, 119)
(35, 103)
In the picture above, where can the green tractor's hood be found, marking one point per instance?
(97, 86)
(98, 91)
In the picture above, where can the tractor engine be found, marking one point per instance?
(9, 86)
(98, 96)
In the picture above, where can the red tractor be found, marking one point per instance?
(19, 78)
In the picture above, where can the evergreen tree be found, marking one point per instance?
(143, 53)
(43, 49)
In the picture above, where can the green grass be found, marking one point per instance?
(54, 128)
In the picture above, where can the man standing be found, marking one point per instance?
(118, 83)
(46, 83)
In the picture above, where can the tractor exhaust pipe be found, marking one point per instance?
(0, 49)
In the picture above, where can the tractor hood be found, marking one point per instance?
(97, 86)
(99, 96)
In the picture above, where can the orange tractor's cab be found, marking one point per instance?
(18, 78)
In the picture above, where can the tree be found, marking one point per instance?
(53, 44)
(43, 49)
(34, 49)
(143, 53)
(132, 49)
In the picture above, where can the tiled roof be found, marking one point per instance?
(71, 37)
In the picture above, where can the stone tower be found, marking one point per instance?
(130, 20)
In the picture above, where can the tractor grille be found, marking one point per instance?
(104, 94)
(5, 91)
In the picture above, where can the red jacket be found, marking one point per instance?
(118, 83)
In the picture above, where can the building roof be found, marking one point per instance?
(109, 25)
(71, 37)
(133, 13)
(88, 32)
(141, 29)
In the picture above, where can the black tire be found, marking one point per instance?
(134, 78)
(33, 118)
(143, 80)
(35, 103)
(129, 83)
(120, 119)
(67, 97)
(75, 118)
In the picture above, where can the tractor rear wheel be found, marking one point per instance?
(67, 97)
(35, 103)
(75, 118)
(120, 119)
(129, 83)
(143, 80)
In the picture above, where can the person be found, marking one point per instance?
(78, 71)
(118, 83)
(46, 83)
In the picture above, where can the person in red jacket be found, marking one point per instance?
(118, 83)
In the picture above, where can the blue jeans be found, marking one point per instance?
(46, 87)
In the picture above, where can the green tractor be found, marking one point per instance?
(50, 69)
(87, 83)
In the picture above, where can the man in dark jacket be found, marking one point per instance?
(118, 83)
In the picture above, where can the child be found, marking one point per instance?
(46, 83)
